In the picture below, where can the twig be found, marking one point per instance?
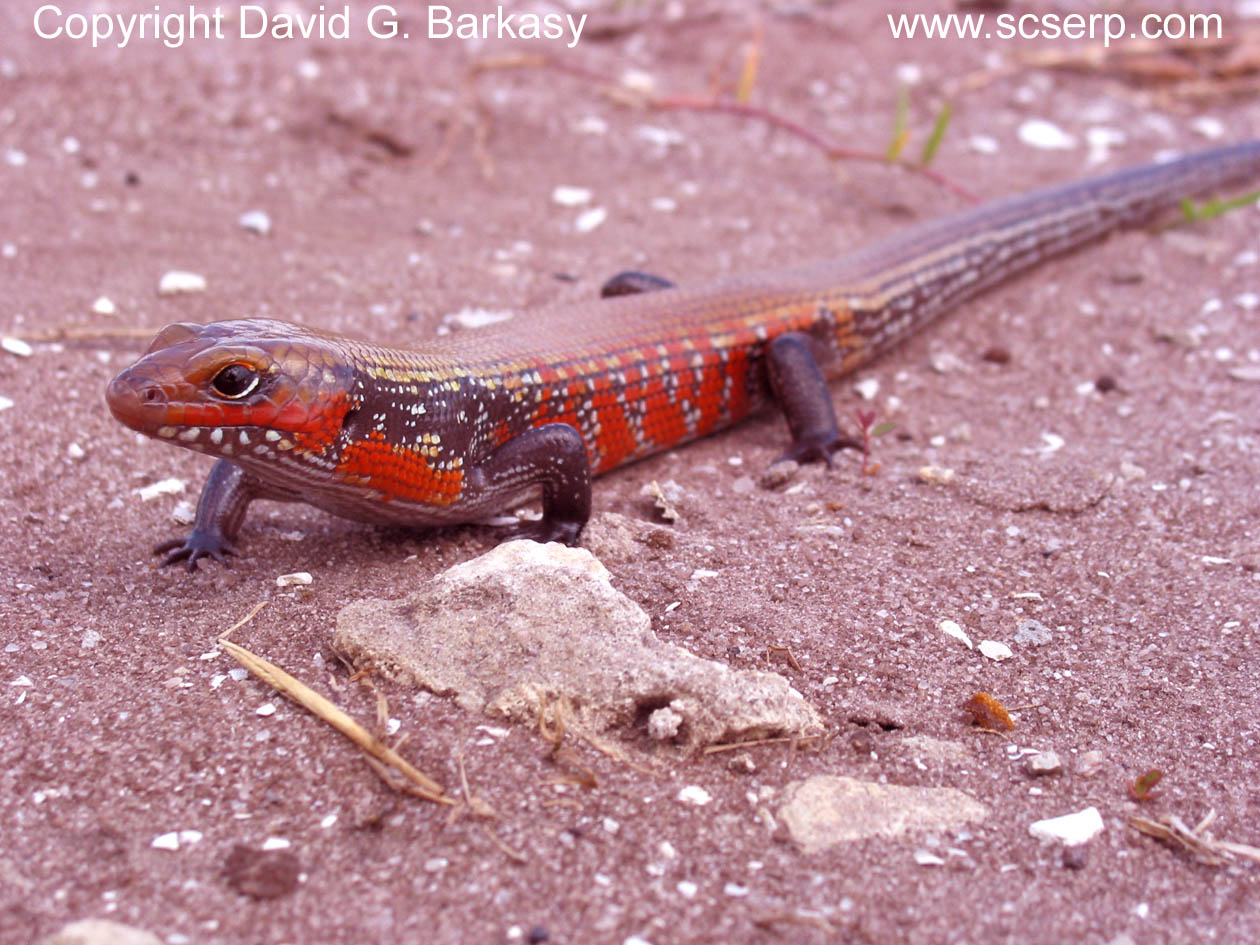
(321, 707)
(618, 93)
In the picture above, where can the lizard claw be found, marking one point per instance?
(197, 545)
(806, 451)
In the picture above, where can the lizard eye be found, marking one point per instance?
(234, 381)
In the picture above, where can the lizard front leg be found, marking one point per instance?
(220, 511)
(553, 456)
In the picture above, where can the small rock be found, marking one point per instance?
(695, 795)
(825, 811)
(779, 474)
(1089, 763)
(177, 282)
(590, 219)
(664, 724)
(100, 932)
(951, 628)
(867, 388)
(160, 488)
(1069, 829)
(296, 578)
(528, 625)
(742, 763)
(1043, 763)
(262, 874)
(1038, 133)
(16, 346)
(936, 475)
(1032, 633)
(571, 196)
(467, 318)
(927, 858)
(994, 650)
(256, 221)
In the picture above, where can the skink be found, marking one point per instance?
(459, 427)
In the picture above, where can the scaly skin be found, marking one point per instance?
(457, 428)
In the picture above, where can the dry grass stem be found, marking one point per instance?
(322, 708)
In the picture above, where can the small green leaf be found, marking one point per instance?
(882, 428)
(1211, 209)
(938, 134)
(900, 133)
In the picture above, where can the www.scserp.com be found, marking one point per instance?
(1107, 27)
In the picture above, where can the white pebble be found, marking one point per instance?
(995, 650)
(166, 841)
(1038, 133)
(5, 402)
(909, 73)
(983, 144)
(867, 388)
(1101, 141)
(104, 305)
(735, 890)
(161, 487)
(266, 709)
(687, 889)
(571, 196)
(308, 69)
(694, 794)
(8, 250)
(926, 858)
(639, 81)
(17, 346)
(1247, 300)
(475, 318)
(256, 221)
(1071, 829)
(294, 579)
(178, 281)
(75, 451)
(276, 843)
(70, 145)
(1211, 128)
(1051, 443)
(590, 219)
(591, 125)
(664, 204)
(15, 157)
(951, 628)
(661, 137)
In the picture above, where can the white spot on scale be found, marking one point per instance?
(166, 432)
(190, 434)
(216, 436)
(271, 436)
(244, 438)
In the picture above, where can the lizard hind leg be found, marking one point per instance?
(801, 389)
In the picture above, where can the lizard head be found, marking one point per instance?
(236, 388)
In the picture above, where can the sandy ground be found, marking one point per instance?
(1134, 542)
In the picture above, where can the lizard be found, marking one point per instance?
(458, 427)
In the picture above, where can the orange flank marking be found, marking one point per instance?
(399, 473)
